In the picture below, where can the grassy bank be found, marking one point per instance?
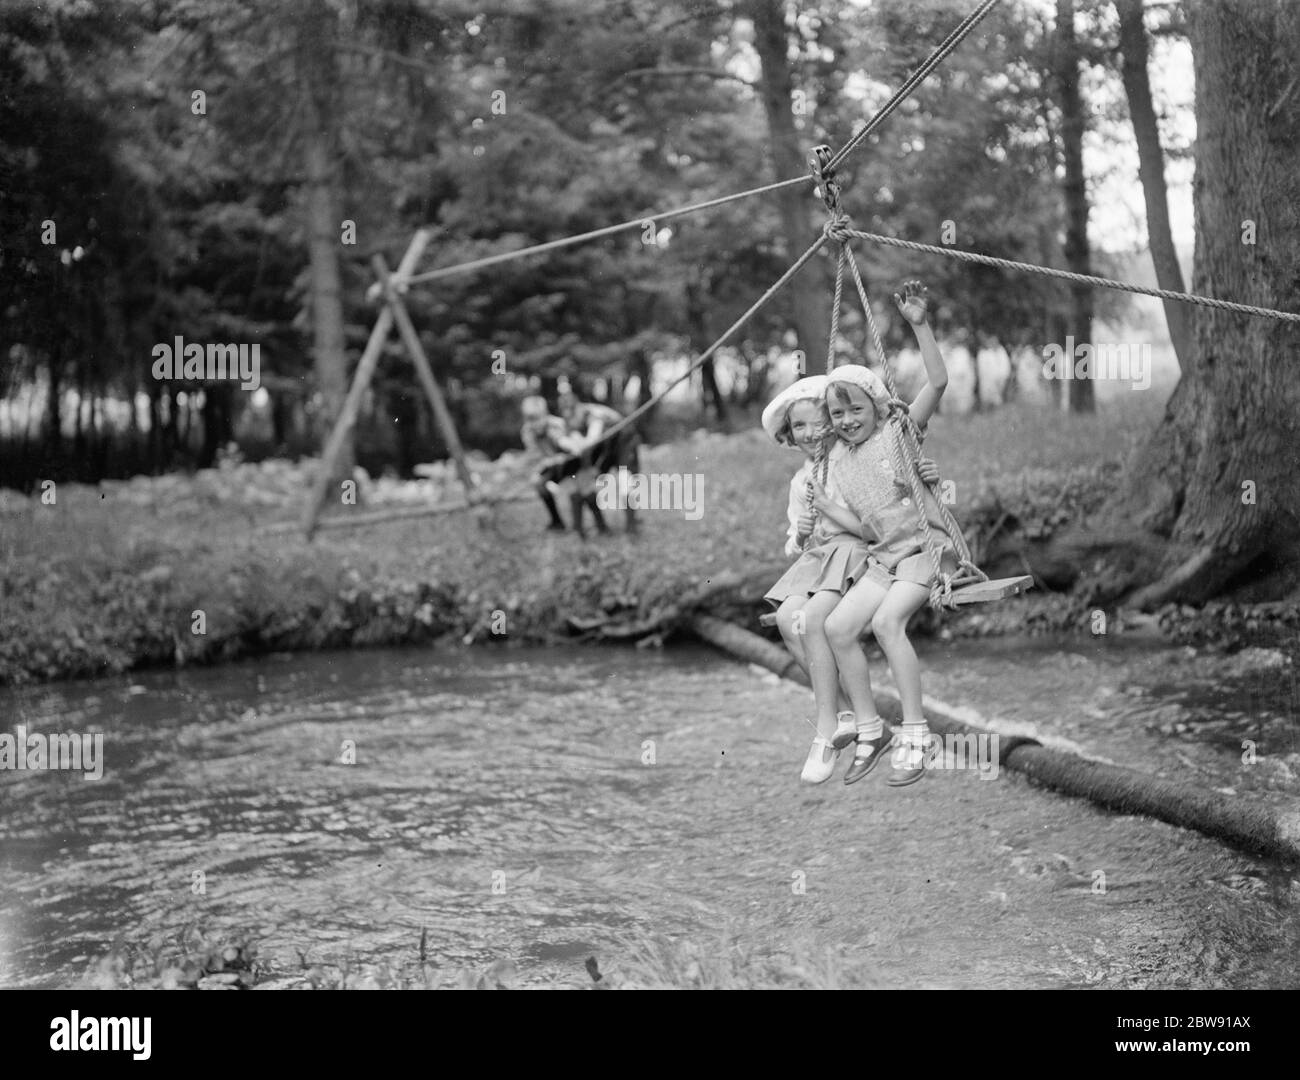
(178, 570)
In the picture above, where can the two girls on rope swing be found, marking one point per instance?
(864, 560)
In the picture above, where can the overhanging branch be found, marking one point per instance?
(684, 72)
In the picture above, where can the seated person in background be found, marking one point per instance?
(547, 436)
(585, 422)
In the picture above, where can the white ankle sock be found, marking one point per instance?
(871, 729)
(914, 734)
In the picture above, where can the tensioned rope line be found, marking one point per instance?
(912, 82)
(695, 364)
(906, 450)
(608, 230)
(838, 230)
(937, 57)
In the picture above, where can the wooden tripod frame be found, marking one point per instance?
(391, 287)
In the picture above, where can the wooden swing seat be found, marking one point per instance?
(978, 592)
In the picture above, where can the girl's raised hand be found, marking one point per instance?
(913, 302)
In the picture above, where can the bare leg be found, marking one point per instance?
(821, 660)
(844, 627)
(889, 622)
(792, 622)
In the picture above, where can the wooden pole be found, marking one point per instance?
(425, 370)
(380, 517)
(365, 369)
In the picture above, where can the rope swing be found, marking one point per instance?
(969, 584)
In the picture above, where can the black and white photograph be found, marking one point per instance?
(651, 495)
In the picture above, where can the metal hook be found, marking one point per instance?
(828, 188)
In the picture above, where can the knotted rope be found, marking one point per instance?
(905, 447)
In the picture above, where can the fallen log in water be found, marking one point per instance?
(729, 586)
(1257, 829)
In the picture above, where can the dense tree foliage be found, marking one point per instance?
(222, 172)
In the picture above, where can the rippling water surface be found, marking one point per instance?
(547, 805)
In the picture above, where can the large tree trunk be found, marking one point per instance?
(317, 50)
(78, 424)
(218, 423)
(404, 408)
(155, 427)
(712, 392)
(807, 295)
(697, 297)
(1011, 388)
(1151, 170)
(1220, 478)
(54, 428)
(639, 365)
(1077, 255)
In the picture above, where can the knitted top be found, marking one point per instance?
(868, 483)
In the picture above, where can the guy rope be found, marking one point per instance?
(969, 584)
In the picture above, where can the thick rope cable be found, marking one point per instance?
(840, 230)
(913, 81)
(916, 78)
(608, 230)
(821, 460)
(906, 451)
(835, 309)
(698, 362)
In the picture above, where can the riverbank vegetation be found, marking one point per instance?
(166, 571)
(199, 173)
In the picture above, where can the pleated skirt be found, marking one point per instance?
(833, 566)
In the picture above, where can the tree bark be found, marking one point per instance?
(317, 47)
(697, 297)
(641, 366)
(218, 423)
(78, 425)
(155, 427)
(1011, 388)
(1220, 478)
(54, 429)
(807, 295)
(1077, 256)
(1151, 170)
(712, 392)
